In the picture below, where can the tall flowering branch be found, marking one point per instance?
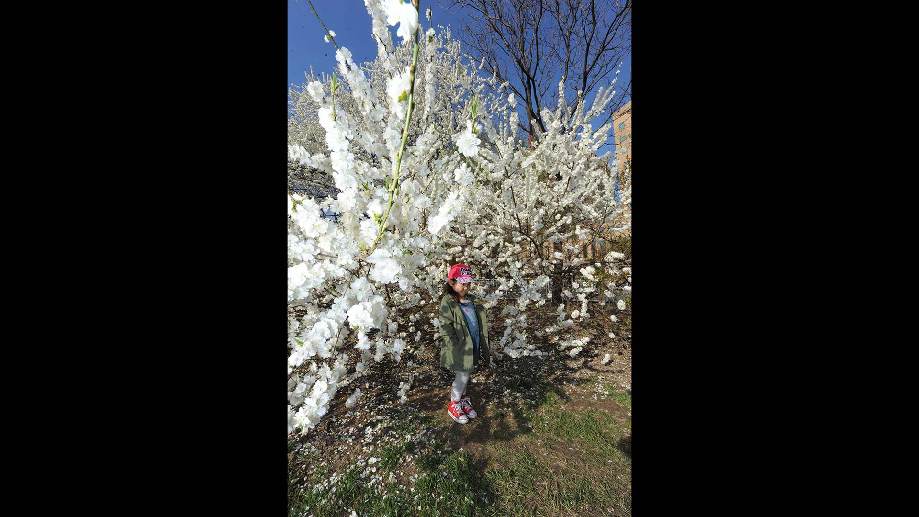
(396, 169)
(334, 88)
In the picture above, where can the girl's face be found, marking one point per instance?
(460, 289)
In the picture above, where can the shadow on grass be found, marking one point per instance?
(505, 396)
(625, 445)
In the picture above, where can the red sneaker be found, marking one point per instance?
(467, 407)
(455, 410)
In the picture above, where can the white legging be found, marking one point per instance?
(459, 386)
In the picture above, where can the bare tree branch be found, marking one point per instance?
(532, 44)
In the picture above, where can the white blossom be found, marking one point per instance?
(352, 400)
(467, 142)
(397, 88)
(446, 213)
(315, 90)
(375, 206)
(385, 267)
(296, 153)
(422, 201)
(369, 314)
(403, 14)
(368, 232)
(463, 175)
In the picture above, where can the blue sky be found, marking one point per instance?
(351, 23)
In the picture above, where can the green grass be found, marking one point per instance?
(352, 492)
(449, 484)
(526, 484)
(622, 398)
(572, 463)
(391, 455)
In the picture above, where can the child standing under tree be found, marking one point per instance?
(464, 325)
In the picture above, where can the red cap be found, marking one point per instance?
(461, 273)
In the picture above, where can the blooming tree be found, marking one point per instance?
(410, 140)
(529, 198)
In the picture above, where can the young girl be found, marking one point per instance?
(464, 325)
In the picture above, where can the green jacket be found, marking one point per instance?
(456, 351)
